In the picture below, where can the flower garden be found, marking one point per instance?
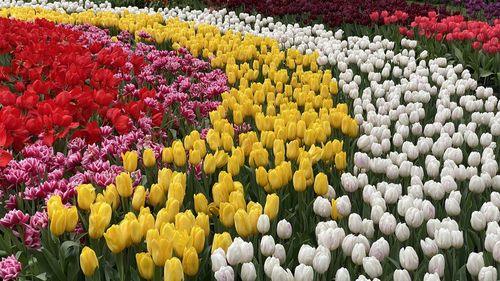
(250, 140)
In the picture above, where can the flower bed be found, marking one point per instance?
(347, 158)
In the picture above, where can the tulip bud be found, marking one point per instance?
(408, 258)
(218, 259)
(269, 265)
(190, 262)
(267, 245)
(380, 249)
(402, 232)
(88, 261)
(148, 157)
(343, 205)
(342, 275)
(429, 247)
(58, 222)
(284, 229)
(488, 273)
(436, 265)
(272, 206)
(401, 275)
(173, 270)
(299, 181)
(71, 219)
(130, 161)
(263, 224)
(387, 224)
(340, 161)
(372, 267)
(209, 164)
(304, 273)
(321, 184)
(139, 198)
(145, 265)
(306, 254)
(358, 253)
(124, 185)
(248, 272)
(115, 239)
(86, 196)
(475, 263)
(321, 260)
(431, 277)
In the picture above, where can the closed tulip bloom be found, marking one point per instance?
(161, 250)
(261, 176)
(380, 249)
(408, 258)
(114, 239)
(173, 270)
(185, 221)
(401, 275)
(342, 275)
(156, 195)
(267, 245)
(53, 204)
(226, 214)
(284, 229)
(248, 272)
(274, 179)
(164, 178)
(233, 166)
(203, 223)
(148, 157)
(145, 265)
(474, 263)
(292, 150)
(299, 181)
(272, 206)
(194, 157)
(130, 161)
(372, 267)
(358, 253)
(340, 161)
(99, 219)
(209, 164)
(179, 154)
(431, 277)
(112, 196)
(197, 237)
(200, 203)
(124, 185)
(88, 261)
(58, 222)
(437, 264)
(167, 214)
(190, 262)
(237, 199)
(221, 240)
(304, 273)
(147, 222)
(263, 224)
(242, 223)
(321, 184)
(167, 155)
(86, 196)
(71, 218)
(139, 198)
(225, 273)
(488, 273)
(135, 231)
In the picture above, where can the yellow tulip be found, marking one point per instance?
(185, 221)
(58, 222)
(233, 166)
(292, 150)
(299, 181)
(237, 199)
(149, 158)
(272, 205)
(130, 161)
(139, 198)
(177, 191)
(321, 184)
(173, 270)
(209, 165)
(167, 155)
(100, 216)
(161, 251)
(71, 218)
(340, 161)
(190, 262)
(226, 214)
(202, 221)
(179, 154)
(200, 203)
(112, 196)
(180, 242)
(335, 214)
(221, 240)
(194, 157)
(156, 195)
(274, 179)
(115, 239)
(213, 139)
(197, 237)
(124, 184)
(253, 218)
(135, 230)
(151, 235)
(53, 204)
(167, 214)
(145, 265)
(261, 176)
(147, 221)
(242, 223)
(164, 177)
(221, 158)
(88, 261)
(201, 147)
(86, 196)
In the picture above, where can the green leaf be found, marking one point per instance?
(485, 73)
(54, 265)
(458, 54)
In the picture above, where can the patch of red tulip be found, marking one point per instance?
(480, 34)
(385, 17)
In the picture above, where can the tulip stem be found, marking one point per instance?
(119, 265)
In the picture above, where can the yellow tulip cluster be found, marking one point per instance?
(62, 219)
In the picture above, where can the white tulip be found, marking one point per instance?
(376, 213)
(496, 251)
(476, 184)
(344, 206)
(322, 207)
(457, 239)
(225, 273)
(429, 247)
(414, 217)
(248, 272)
(284, 229)
(304, 273)
(372, 267)
(321, 260)
(402, 232)
(234, 253)
(358, 253)
(475, 262)
(401, 275)
(263, 224)
(368, 228)
(355, 223)
(431, 277)
(280, 253)
(306, 254)
(487, 274)
(342, 275)
(437, 264)
(279, 274)
(380, 249)
(452, 207)
(478, 221)
(270, 264)
(408, 258)
(218, 259)
(267, 245)
(387, 224)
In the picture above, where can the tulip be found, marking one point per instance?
(372, 267)
(401, 275)
(431, 277)
(306, 254)
(88, 261)
(139, 198)
(173, 270)
(358, 253)
(179, 154)
(436, 265)
(200, 203)
(115, 239)
(225, 273)
(474, 263)
(272, 206)
(263, 224)
(221, 240)
(261, 176)
(194, 157)
(380, 249)
(267, 245)
(248, 272)
(58, 222)
(100, 216)
(342, 275)
(124, 184)
(402, 232)
(322, 260)
(197, 238)
(304, 273)
(190, 262)
(218, 259)
(488, 273)
(71, 219)
(387, 224)
(86, 196)
(340, 161)
(242, 224)
(148, 156)
(145, 265)
(202, 222)
(164, 178)
(130, 161)
(112, 196)
(226, 214)
(269, 265)
(321, 184)
(299, 181)
(156, 195)
(284, 229)
(167, 155)
(408, 258)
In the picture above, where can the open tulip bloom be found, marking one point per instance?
(185, 144)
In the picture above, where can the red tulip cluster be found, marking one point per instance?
(456, 28)
(385, 17)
